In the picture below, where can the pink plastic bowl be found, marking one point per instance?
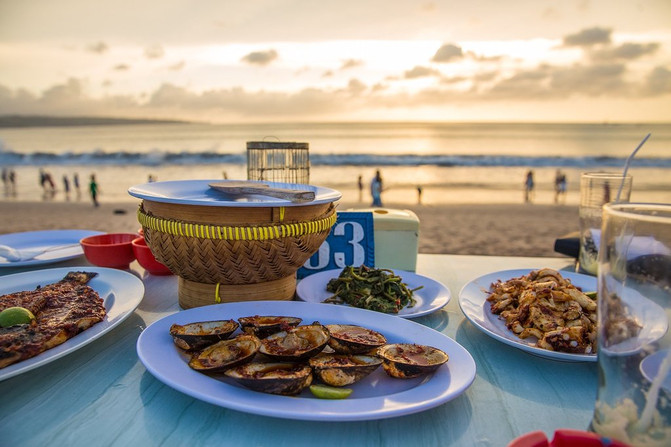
(109, 250)
(146, 258)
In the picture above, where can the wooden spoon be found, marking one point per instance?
(246, 188)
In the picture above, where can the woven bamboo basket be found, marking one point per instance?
(225, 254)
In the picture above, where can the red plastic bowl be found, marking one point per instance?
(109, 250)
(565, 437)
(146, 258)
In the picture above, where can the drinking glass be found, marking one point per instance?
(597, 189)
(633, 402)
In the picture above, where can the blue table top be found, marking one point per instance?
(103, 395)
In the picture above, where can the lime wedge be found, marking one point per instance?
(330, 392)
(591, 295)
(15, 315)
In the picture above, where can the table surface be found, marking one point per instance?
(103, 395)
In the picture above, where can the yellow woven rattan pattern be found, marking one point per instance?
(214, 254)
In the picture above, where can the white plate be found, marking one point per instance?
(430, 298)
(650, 367)
(198, 192)
(474, 304)
(649, 315)
(375, 397)
(120, 291)
(43, 240)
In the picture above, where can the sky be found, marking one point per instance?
(345, 60)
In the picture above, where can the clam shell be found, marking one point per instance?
(299, 343)
(265, 325)
(405, 360)
(352, 339)
(193, 336)
(226, 354)
(342, 370)
(273, 378)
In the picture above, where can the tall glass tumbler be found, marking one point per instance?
(597, 189)
(633, 402)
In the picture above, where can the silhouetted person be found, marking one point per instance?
(66, 187)
(93, 189)
(376, 189)
(75, 182)
(529, 186)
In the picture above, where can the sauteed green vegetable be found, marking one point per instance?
(369, 288)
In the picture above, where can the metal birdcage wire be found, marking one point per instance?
(284, 162)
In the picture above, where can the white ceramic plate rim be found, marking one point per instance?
(121, 292)
(473, 303)
(198, 192)
(650, 367)
(44, 240)
(162, 359)
(432, 297)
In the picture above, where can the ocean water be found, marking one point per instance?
(451, 162)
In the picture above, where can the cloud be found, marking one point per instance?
(69, 98)
(420, 72)
(356, 87)
(548, 81)
(177, 66)
(588, 37)
(447, 53)
(351, 63)
(154, 52)
(239, 102)
(481, 58)
(98, 47)
(658, 82)
(454, 80)
(260, 57)
(609, 80)
(626, 51)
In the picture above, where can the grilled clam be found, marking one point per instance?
(296, 344)
(341, 370)
(265, 325)
(351, 339)
(193, 336)
(226, 354)
(405, 360)
(273, 378)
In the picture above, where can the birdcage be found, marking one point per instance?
(283, 162)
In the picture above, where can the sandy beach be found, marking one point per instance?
(477, 229)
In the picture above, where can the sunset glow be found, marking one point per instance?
(221, 61)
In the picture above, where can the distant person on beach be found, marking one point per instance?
(12, 182)
(93, 189)
(360, 185)
(48, 185)
(419, 194)
(43, 180)
(5, 180)
(66, 187)
(75, 182)
(560, 186)
(529, 187)
(376, 189)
